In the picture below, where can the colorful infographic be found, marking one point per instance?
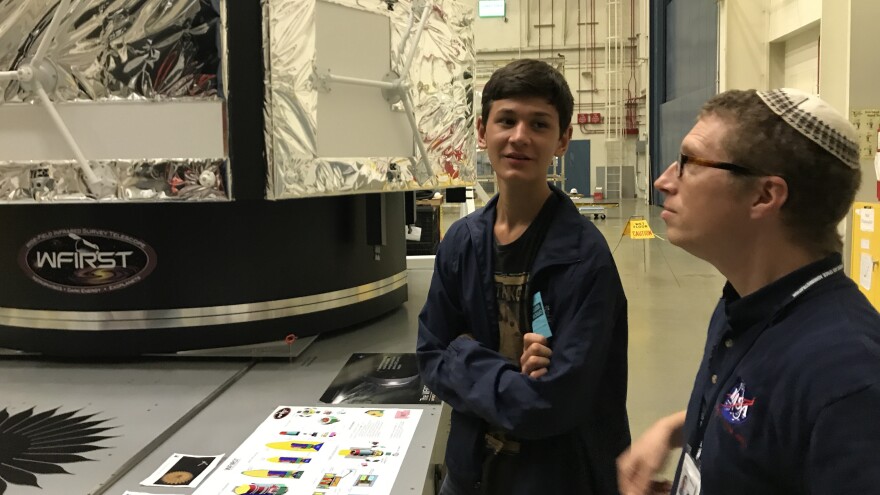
(326, 451)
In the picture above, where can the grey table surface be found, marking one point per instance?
(147, 400)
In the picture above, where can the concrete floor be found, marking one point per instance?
(160, 406)
(671, 296)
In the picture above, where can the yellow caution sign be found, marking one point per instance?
(638, 229)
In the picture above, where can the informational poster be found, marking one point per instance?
(867, 123)
(865, 256)
(182, 470)
(866, 219)
(318, 451)
(866, 271)
(379, 378)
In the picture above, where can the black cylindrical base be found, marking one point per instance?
(218, 274)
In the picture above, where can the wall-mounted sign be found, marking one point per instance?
(86, 261)
(491, 8)
(589, 118)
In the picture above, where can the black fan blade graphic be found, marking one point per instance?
(53, 458)
(34, 444)
(17, 476)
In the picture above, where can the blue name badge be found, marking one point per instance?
(540, 325)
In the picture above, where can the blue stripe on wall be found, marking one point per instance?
(684, 48)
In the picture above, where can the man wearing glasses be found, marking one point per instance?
(787, 397)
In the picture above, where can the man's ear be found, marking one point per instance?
(770, 196)
(481, 133)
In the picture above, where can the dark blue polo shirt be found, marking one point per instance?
(792, 376)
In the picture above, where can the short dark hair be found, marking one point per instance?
(526, 78)
(821, 187)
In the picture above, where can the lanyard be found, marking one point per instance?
(695, 444)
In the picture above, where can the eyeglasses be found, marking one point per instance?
(685, 159)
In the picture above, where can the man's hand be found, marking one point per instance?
(638, 465)
(536, 355)
(660, 487)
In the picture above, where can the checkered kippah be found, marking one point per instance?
(815, 119)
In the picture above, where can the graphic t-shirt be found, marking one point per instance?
(513, 264)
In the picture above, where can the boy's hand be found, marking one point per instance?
(536, 355)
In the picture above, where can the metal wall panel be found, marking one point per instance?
(684, 52)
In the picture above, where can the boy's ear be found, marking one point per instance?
(564, 141)
(481, 133)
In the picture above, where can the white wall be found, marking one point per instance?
(746, 54)
(793, 34)
(849, 74)
(771, 43)
(789, 16)
(801, 62)
(496, 32)
(835, 54)
(568, 45)
(864, 71)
